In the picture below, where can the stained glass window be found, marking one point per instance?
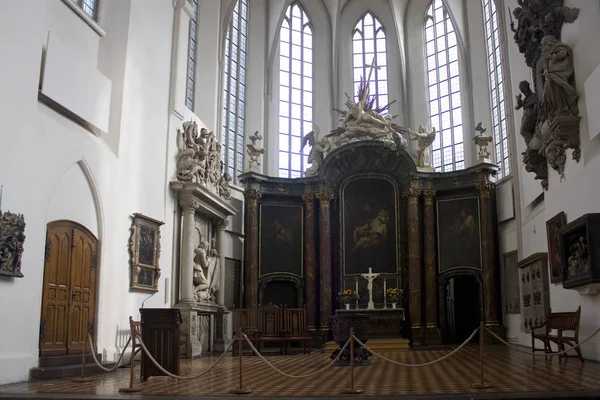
(191, 67)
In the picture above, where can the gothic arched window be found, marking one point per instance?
(295, 90)
(234, 85)
(191, 62)
(368, 46)
(443, 81)
(496, 80)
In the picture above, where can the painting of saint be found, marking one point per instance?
(146, 246)
(553, 227)
(281, 239)
(145, 277)
(459, 238)
(369, 226)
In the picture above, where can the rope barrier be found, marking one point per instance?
(289, 375)
(102, 366)
(531, 353)
(164, 371)
(418, 365)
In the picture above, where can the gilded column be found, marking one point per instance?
(221, 226)
(186, 269)
(325, 196)
(490, 297)
(251, 249)
(431, 328)
(310, 266)
(414, 265)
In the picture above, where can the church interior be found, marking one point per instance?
(234, 196)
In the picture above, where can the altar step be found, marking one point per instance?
(377, 345)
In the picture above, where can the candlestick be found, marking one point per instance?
(356, 291)
(384, 292)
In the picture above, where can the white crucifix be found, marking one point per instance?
(370, 277)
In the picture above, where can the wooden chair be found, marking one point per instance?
(271, 329)
(136, 347)
(296, 329)
(247, 319)
(559, 322)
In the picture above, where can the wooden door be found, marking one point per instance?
(69, 293)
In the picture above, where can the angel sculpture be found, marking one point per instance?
(424, 140)
(253, 150)
(482, 141)
(319, 147)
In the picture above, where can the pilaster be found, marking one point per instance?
(324, 195)
(432, 331)
(490, 297)
(310, 266)
(251, 249)
(414, 266)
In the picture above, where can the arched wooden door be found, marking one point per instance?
(69, 292)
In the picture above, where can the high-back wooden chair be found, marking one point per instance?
(247, 319)
(296, 328)
(271, 328)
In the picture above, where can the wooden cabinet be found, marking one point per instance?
(160, 333)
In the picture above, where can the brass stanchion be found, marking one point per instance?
(131, 389)
(482, 384)
(241, 389)
(352, 390)
(82, 378)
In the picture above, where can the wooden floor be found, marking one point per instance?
(505, 369)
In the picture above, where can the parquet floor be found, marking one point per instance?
(505, 369)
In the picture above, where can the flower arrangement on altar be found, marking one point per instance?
(348, 296)
(393, 295)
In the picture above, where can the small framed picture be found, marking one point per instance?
(553, 227)
(144, 246)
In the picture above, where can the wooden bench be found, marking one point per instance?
(556, 324)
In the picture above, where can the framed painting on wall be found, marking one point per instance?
(459, 236)
(369, 227)
(281, 239)
(144, 246)
(553, 227)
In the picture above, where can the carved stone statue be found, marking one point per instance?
(206, 270)
(253, 151)
(12, 237)
(530, 112)
(560, 95)
(224, 189)
(424, 140)
(199, 159)
(482, 141)
(319, 147)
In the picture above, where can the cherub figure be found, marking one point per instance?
(319, 147)
(424, 140)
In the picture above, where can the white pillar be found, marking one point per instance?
(186, 268)
(221, 226)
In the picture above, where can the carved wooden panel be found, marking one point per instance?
(534, 282)
(510, 284)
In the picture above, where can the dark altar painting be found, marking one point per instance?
(369, 227)
(553, 227)
(459, 237)
(280, 239)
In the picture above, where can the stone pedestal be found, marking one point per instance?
(325, 196)
(191, 325)
(221, 340)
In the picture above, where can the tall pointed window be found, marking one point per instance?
(496, 79)
(295, 90)
(234, 85)
(444, 89)
(368, 46)
(191, 70)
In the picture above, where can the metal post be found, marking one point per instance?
(352, 390)
(241, 389)
(82, 378)
(482, 384)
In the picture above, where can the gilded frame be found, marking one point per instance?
(438, 244)
(144, 246)
(553, 227)
(261, 227)
(342, 225)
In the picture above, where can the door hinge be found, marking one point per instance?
(42, 329)
(91, 328)
(94, 260)
(48, 248)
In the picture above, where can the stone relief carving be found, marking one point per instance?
(361, 120)
(482, 141)
(550, 121)
(254, 151)
(424, 140)
(199, 159)
(206, 271)
(12, 237)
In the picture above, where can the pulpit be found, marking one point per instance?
(160, 333)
